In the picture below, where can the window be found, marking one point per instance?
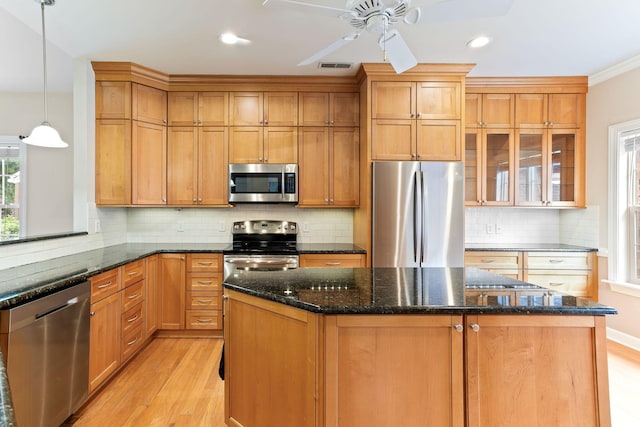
(624, 212)
(9, 189)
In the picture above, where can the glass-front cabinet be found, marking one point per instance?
(547, 164)
(489, 178)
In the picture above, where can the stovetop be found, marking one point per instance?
(264, 236)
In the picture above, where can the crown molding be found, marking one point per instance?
(615, 70)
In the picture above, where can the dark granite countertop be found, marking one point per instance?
(407, 291)
(329, 248)
(528, 247)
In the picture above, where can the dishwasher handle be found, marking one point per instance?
(69, 303)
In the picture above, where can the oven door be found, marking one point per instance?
(263, 183)
(259, 263)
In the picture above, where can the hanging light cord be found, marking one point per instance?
(44, 62)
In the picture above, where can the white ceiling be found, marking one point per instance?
(534, 38)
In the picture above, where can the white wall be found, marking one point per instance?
(610, 102)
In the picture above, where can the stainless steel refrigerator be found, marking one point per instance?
(418, 214)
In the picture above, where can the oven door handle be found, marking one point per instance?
(252, 263)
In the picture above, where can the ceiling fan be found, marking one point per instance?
(379, 18)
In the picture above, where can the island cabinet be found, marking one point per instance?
(329, 165)
(332, 260)
(416, 120)
(328, 109)
(198, 108)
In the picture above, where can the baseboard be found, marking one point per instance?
(624, 339)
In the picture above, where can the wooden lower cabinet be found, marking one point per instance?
(171, 291)
(104, 351)
(289, 367)
(151, 295)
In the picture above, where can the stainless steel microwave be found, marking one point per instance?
(263, 183)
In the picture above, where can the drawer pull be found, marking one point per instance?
(488, 261)
(132, 342)
(556, 283)
(205, 282)
(134, 296)
(333, 263)
(204, 320)
(205, 262)
(133, 319)
(556, 261)
(106, 285)
(205, 301)
(133, 273)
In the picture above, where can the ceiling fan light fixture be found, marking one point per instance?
(230, 38)
(479, 42)
(45, 135)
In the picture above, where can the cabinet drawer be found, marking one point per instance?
(204, 282)
(204, 300)
(132, 341)
(204, 319)
(132, 318)
(133, 272)
(332, 260)
(204, 262)
(574, 284)
(105, 284)
(493, 260)
(558, 260)
(132, 295)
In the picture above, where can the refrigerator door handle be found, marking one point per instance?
(423, 218)
(417, 218)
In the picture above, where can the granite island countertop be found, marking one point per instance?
(407, 291)
(527, 247)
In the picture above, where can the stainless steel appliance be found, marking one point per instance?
(263, 183)
(418, 214)
(262, 245)
(48, 356)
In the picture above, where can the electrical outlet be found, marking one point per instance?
(498, 229)
(180, 226)
(97, 226)
(490, 228)
(221, 226)
(305, 227)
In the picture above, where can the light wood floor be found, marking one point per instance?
(174, 382)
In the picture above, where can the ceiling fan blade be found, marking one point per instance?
(308, 7)
(329, 49)
(398, 53)
(458, 10)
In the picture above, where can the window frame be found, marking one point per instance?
(22, 202)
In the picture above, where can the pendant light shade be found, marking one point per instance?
(45, 135)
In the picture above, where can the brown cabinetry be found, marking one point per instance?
(149, 164)
(255, 144)
(491, 110)
(149, 104)
(198, 108)
(328, 109)
(171, 291)
(151, 295)
(556, 110)
(505, 263)
(332, 260)
(263, 108)
(204, 291)
(329, 172)
(416, 120)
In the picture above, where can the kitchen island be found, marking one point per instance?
(410, 347)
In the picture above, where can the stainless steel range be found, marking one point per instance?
(262, 245)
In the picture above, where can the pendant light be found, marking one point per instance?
(45, 135)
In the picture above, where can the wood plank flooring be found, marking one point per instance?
(174, 382)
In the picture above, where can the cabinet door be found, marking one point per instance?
(151, 295)
(565, 172)
(182, 166)
(171, 291)
(183, 108)
(545, 367)
(473, 110)
(438, 140)
(104, 348)
(280, 145)
(149, 104)
(498, 110)
(566, 110)
(245, 109)
(531, 167)
(213, 146)
(113, 162)
(473, 167)
(438, 100)
(498, 183)
(113, 100)
(314, 166)
(149, 164)
(344, 171)
(393, 100)
(363, 358)
(213, 108)
(313, 109)
(344, 109)
(280, 109)
(393, 140)
(245, 144)
(531, 110)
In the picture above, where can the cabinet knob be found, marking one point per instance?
(474, 327)
(199, 122)
(193, 200)
(261, 122)
(326, 200)
(164, 120)
(418, 115)
(266, 122)
(195, 122)
(326, 122)
(92, 313)
(164, 200)
(458, 327)
(412, 115)
(331, 122)
(199, 200)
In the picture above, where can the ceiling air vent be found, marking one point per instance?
(338, 65)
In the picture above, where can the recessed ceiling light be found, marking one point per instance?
(230, 38)
(479, 42)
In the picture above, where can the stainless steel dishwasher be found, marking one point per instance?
(48, 356)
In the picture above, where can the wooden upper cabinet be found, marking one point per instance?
(198, 108)
(263, 108)
(438, 100)
(149, 164)
(494, 110)
(280, 145)
(149, 104)
(328, 109)
(438, 140)
(557, 110)
(393, 100)
(257, 144)
(113, 162)
(113, 100)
